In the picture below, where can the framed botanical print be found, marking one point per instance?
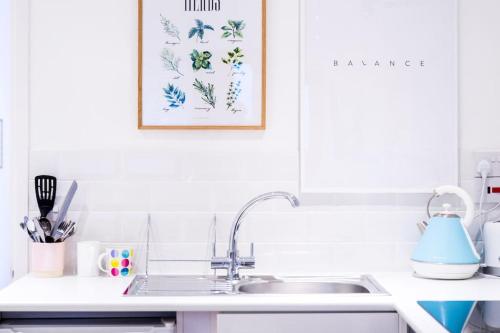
(202, 64)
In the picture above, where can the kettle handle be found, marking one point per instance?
(462, 194)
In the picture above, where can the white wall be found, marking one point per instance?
(479, 52)
(5, 91)
(83, 126)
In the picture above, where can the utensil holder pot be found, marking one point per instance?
(47, 259)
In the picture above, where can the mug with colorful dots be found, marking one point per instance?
(119, 261)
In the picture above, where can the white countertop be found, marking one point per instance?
(70, 293)
(406, 290)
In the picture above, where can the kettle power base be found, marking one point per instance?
(491, 271)
(444, 271)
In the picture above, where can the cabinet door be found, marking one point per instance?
(386, 322)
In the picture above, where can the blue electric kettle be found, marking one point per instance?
(445, 250)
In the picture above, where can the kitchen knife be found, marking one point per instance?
(64, 209)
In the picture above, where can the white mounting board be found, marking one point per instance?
(378, 96)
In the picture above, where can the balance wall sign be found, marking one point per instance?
(378, 95)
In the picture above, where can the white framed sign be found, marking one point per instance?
(378, 95)
(202, 64)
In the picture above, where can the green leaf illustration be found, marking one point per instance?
(201, 60)
(199, 30)
(170, 61)
(169, 28)
(234, 58)
(234, 29)
(207, 92)
(233, 95)
(175, 96)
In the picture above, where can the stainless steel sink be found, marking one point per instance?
(161, 285)
(281, 287)
(177, 285)
(313, 285)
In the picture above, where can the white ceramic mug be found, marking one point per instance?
(119, 261)
(87, 255)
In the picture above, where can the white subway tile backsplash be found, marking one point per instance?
(380, 227)
(335, 226)
(404, 252)
(89, 165)
(180, 251)
(212, 166)
(133, 226)
(182, 196)
(99, 226)
(408, 230)
(43, 162)
(179, 268)
(183, 189)
(118, 196)
(231, 196)
(152, 165)
(275, 227)
(182, 227)
(364, 256)
(412, 200)
(392, 226)
(270, 166)
(294, 259)
(216, 166)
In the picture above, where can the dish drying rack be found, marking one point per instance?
(173, 260)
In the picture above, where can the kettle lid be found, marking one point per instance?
(446, 212)
(466, 198)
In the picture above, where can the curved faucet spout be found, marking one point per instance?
(243, 211)
(233, 257)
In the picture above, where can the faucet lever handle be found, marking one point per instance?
(247, 262)
(220, 263)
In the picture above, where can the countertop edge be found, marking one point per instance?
(73, 294)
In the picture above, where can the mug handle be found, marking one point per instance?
(99, 262)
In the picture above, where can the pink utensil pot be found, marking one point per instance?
(47, 259)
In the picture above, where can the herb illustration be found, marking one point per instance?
(199, 30)
(232, 96)
(234, 29)
(170, 61)
(175, 96)
(201, 60)
(207, 92)
(169, 28)
(234, 59)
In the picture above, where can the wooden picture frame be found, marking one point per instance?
(211, 108)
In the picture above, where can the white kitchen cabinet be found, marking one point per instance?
(387, 322)
(79, 323)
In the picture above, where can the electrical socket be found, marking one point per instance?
(493, 178)
(491, 156)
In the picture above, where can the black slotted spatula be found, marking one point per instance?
(45, 188)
